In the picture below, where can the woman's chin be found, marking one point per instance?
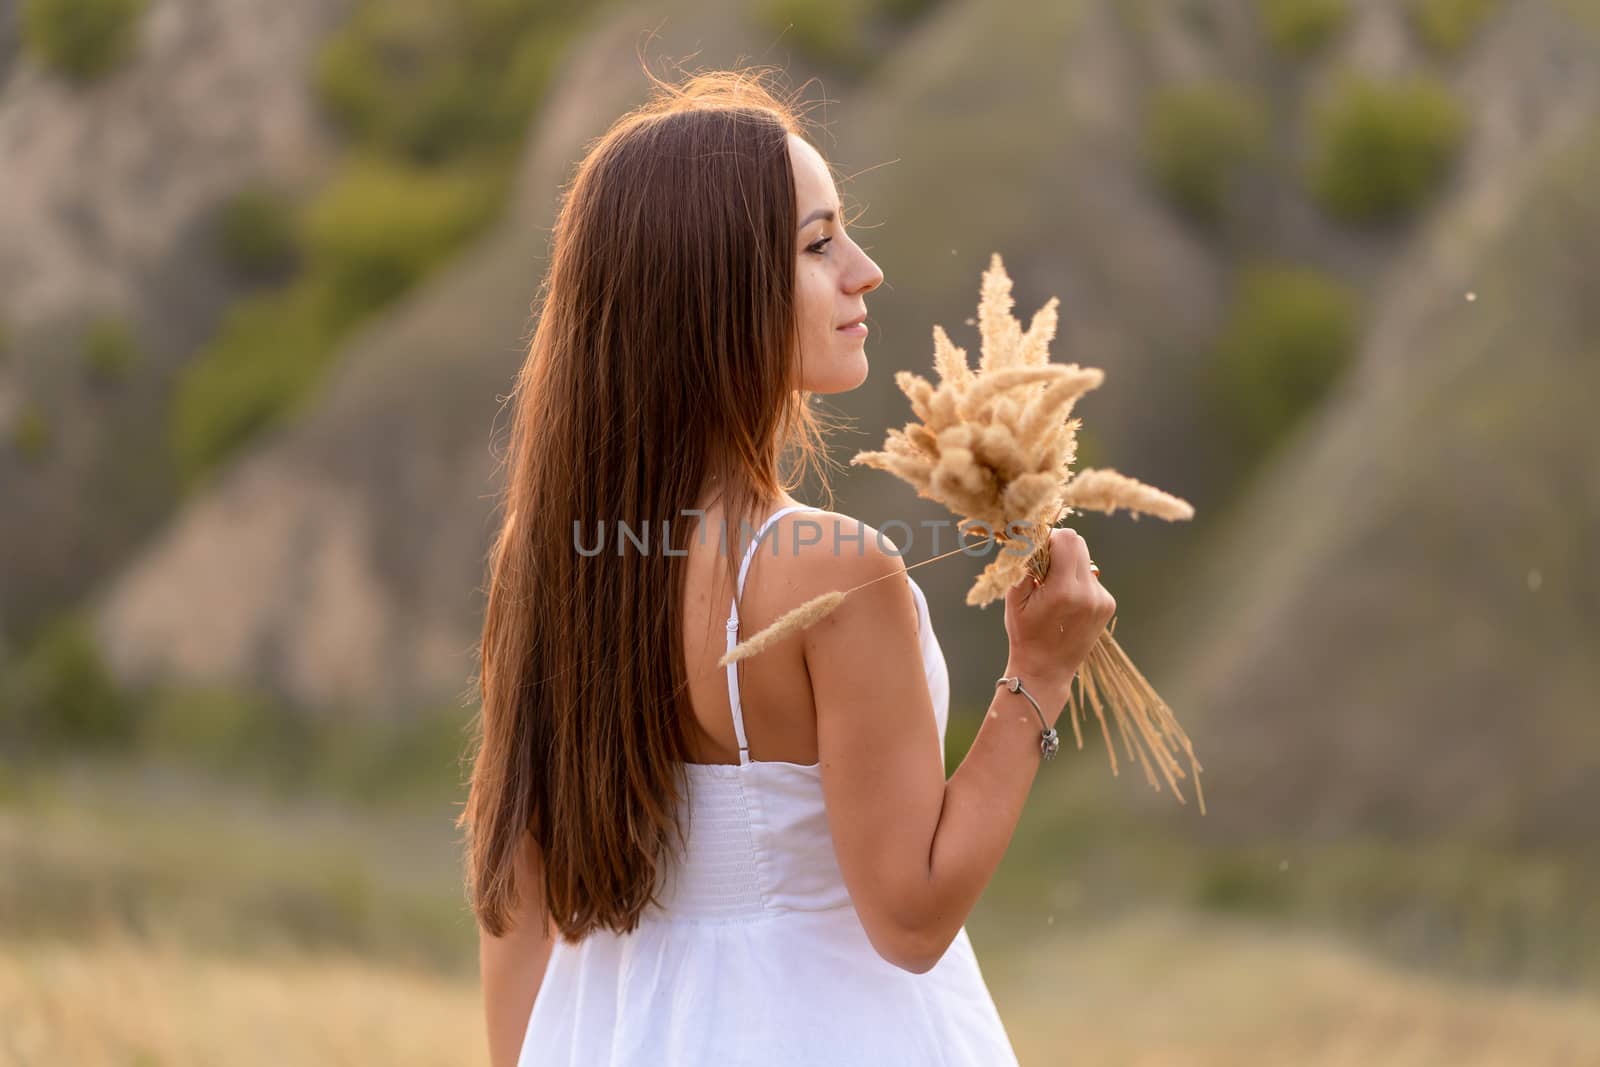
(842, 377)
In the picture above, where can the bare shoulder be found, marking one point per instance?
(833, 551)
(827, 551)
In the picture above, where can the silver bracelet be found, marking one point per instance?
(1049, 741)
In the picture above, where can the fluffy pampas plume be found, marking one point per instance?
(1107, 491)
(995, 444)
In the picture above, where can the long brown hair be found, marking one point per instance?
(665, 353)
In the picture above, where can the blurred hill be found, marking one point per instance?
(1399, 630)
(1380, 618)
(111, 270)
(340, 562)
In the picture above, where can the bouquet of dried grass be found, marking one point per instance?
(996, 445)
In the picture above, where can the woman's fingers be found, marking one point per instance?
(1080, 558)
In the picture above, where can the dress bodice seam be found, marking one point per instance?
(767, 914)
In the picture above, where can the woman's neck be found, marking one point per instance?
(712, 500)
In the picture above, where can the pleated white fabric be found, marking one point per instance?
(755, 955)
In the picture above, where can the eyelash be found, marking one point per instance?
(816, 246)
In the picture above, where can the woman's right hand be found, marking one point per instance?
(1053, 625)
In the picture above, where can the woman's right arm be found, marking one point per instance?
(511, 968)
(916, 850)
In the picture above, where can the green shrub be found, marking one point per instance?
(379, 228)
(432, 120)
(384, 74)
(257, 232)
(220, 726)
(420, 756)
(1446, 26)
(1300, 27)
(349, 79)
(438, 98)
(828, 32)
(1382, 147)
(1197, 138)
(232, 729)
(30, 434)
(1239, 884)
(373, 233)
(427, 81)
(1290, 333)
(906, 10)
(269, 350)
(109, 349)
(64, 695)
(82, 38)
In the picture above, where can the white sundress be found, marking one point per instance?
(755, 954)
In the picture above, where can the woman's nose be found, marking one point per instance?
(868, 278)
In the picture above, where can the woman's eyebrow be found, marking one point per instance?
(820, 213)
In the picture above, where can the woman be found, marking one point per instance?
(673, 863)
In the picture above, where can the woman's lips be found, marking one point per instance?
(858, 330)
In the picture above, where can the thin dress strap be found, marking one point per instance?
(733, 627)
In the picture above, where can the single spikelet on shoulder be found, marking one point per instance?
(792, 622)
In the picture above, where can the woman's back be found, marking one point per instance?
(754, 952)
(783, 725)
